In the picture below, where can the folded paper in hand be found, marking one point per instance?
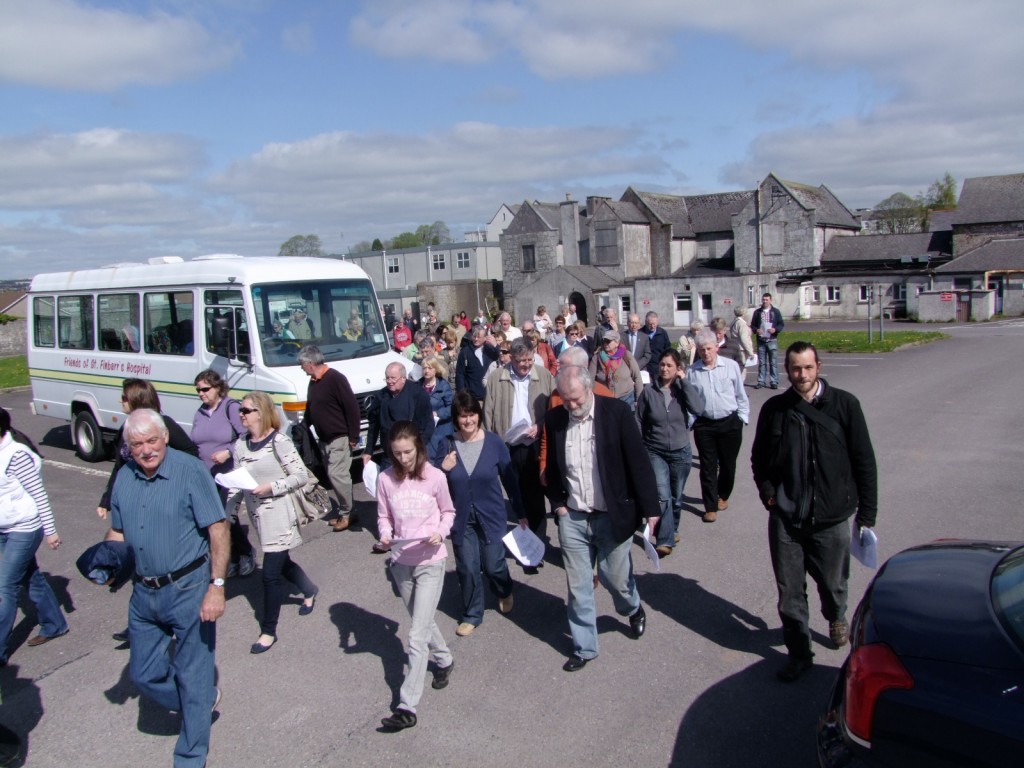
(370, 473)
(525, 546)
(237, 478)
(649, 550)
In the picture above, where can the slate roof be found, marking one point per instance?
(550, 212)
(995, 255)
(723, 265)
(991, 200)
(935, 245)
(591, 277)
(627, 213)
(827, 208)
(668, 209)
(713, 213)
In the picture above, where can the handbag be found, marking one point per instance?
(311, 502)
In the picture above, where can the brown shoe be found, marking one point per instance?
(465, 629)
(663, 551)
(710, 517)
(723, 504)
(44, 639)
(505, 603)
(839, 632)
(342, 523)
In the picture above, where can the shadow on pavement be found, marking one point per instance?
(361, 631)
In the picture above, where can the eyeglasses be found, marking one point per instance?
(201, 390)
(246, 411)
(505, 351)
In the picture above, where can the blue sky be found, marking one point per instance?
(132, 129)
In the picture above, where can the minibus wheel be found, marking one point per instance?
(88, 438)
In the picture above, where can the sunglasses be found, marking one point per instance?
(505, 351)
(246, 411)
(201, 390)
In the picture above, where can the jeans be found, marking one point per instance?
(18, 570)
(671, 468)
(823, 552)
(718, 444)
(338, 457)
(278, 566)
(420, 588)
(474, 554)
(629, 399)
(526, 460)
(768, 362)
(184, 682)
(587, 539)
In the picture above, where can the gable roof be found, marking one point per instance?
(627, 213)
(826, 206)
(713, 213)
(666, 209)
(991, 200)
(925, 246)
(995, 255)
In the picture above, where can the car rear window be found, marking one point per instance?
(1008, 593)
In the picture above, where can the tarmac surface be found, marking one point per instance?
(698, 690)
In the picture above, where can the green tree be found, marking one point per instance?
(439, 233)
(406, 240)
(899, 214)
(302, 245)
(377, 245)
(362, 246)
(941, 194)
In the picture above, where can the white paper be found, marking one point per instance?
(649, 550)
(864, 545)
(237, 478)
(370, 474)
(398, 544)
(751, 362)
(525, 546)
(645, 377)
(517, 432)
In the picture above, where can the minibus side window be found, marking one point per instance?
(118, 316)
(42, 311)
(227, 332)
(75, 323)
(168, 319)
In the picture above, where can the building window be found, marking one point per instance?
(865, 294)
(832, 294)
(439, 263)
(462, 260)
(625, 306)
(813, 294)
(392, 265)
(899, 291)
(750, 296)
(684, 302)
(529, 259)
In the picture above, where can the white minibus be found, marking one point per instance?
(167, 320)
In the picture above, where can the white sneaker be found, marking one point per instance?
(246, 565)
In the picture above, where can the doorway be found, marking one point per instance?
(581, 306)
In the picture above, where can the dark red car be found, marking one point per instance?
(935, 675)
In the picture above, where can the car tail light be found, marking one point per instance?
(872, 669)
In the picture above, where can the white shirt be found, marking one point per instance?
(582, 475)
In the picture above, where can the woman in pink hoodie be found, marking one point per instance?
(414, 515)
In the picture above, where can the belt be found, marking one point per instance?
(155, 582)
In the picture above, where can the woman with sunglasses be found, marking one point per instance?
(215, 427)
(275, 465)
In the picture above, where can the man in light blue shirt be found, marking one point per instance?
(718, 431)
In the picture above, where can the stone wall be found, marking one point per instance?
(545, 246)
(463, 296)
(13, 338)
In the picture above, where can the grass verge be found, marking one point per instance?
(13, 372)
(857, 341)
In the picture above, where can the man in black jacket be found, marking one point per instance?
(400, 400)
(767, 323)
(814, 468)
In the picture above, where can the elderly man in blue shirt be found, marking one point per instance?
(718, 430)
(165, 506)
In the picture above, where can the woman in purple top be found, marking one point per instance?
(415, 510)
(215, 427)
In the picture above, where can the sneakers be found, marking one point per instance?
(246, 565)
(465, 629)
(505, 604)
(402, 719)
(710, 517)
(839, 632)
(442, 676)
(793, 669)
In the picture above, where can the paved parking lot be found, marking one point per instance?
(697, 690)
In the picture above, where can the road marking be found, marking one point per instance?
(84, 470)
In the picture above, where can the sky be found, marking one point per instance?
(139, 128)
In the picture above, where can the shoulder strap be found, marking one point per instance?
(822, 420)
(227, 409)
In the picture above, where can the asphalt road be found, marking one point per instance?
(697, 690)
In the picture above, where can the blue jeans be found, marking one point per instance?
(420, 588)
(824, 553)
(587, 539)
(473, 555)
(18, 570)
(279, 566)
(671, 468)
(184, 682)
(768, 362)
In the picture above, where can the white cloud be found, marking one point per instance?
(71, 45)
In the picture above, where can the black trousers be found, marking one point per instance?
(526, 460)
(718, 443)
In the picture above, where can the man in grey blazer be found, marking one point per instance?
(637, 342)
(600, 494)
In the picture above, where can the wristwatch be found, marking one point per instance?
(217, 582)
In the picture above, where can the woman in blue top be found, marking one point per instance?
(474, 459)
(435, 383)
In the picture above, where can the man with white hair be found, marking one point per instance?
(638, 343)
(165, 506)
(505, 326)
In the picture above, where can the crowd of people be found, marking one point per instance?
(542, 414)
